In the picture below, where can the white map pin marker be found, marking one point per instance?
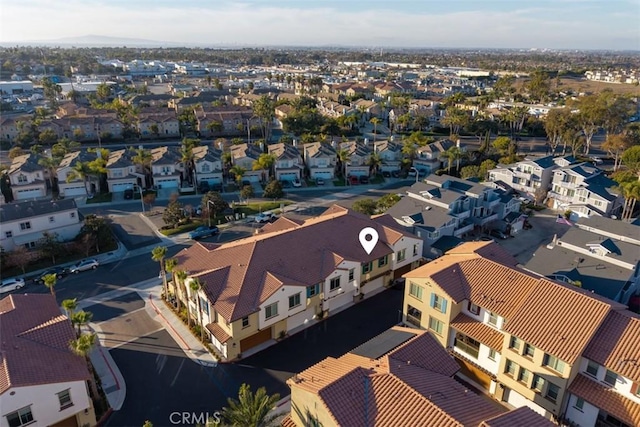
(369, 244)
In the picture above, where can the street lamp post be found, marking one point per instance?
(417, 173)
(209, 212)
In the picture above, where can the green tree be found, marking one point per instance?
(50, 164)
(171, 266)
(172, 214)
(387, 201)
(103, 92)
(264, 109)
(265, 162)
(538, 86)
(375, 122)
(250, 410)
(98, 228)
(213, 203)
(615, 145)
(63, 147)
(195, 287)
(472, 171)
(365, 206)
(273, 190)
(631, 159)
(80, 319)
(50, 245)
(485, 167)
(343, 158)
(143, 159)
(502, 144)
(47, 137)
(246, 192)
(80, 171)
(15, 152)
(181, 277)
(455, 118)
(82, 346)
(238, 172)
(374, 162)
(50, 280)
(70, 306)
(158, 254)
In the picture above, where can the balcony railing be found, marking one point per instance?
(413, 320)
(467, 349)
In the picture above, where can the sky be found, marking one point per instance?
(554, 24)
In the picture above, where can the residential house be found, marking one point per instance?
(245, 156)
(75, 186)
(321, 159)
(585, 191)
(263, 287)
(27, 177)
(155, 122)
(288, 165)
(10, 126)
(165, 166)
(402, 377)
(359, 153)
(530, 175)
(208, 165)
(202, 98)
(334, 109)
(601, 256)
(283, 111)
(231, 120)
(151, 99)
(448, 206)
(498, 322)
(23, 223)
(429, 157)
(121, 172)
(390, 154)
(369, 110)
(44, 383)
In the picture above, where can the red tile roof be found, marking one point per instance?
(238, 276)
(288, 422)
(522, 416)
(34, 348)
(606, 398)
(218, 332)
(616, 345)
(478, 331)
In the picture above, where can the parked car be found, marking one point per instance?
(246, 182)
(395, 174)
(87, 264)
(353, 180)
(265, 217)
(128, 194)
(386, 174)
(12, 284)
(319, 181)
(596, 160)
(60, 272)
(204, 231)
(364, 179)
(498, 234)
(296, 183)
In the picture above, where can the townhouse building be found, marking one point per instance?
(245, 155)
(359, 153)
(321, 159)
(429, 157)
(584, 190)
(528, 176)
(70, 184)
(121, 172)
(402, 377)
(27, 177)
(10, 126)
(156, 122)
(391, 155)
(290, 275)
(335, 109)
(601, 256)
(23, 223)
(289, 165)
(166, 168)
(228, 120)
(524, 338)
(208, 165)
(44, 383)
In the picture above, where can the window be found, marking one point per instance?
(72, 215)
(414, 316)
(20, 417)
(206, 167)
(538, 383)
(8, 234)
(401, 255)
(552, 392)
(467, 345)
(529, 350)
(635, 389)
(352, 274)
(334, 284)
(204, 305)
(592, 368)
(313, 290)
(25, 225)
(245, 322)
(579, 405)
(493, 319)
(415, 249)
(435, 325)
(515, 343)
(510, 368)
(610, 377)
(553, 363)
(438, 303)
(415, 291)
(367, 267)
(524, 375)
(383, 261)
(473, 308)
(294, 300)
(492, 354)
(65, 399)
(22, 179)
(52, 219)
(271, 310)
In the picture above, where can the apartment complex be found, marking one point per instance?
(290, 275)
(562, 351)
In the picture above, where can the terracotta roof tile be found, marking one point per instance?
(523, 416)
(218, 332)
(606, 398)
(288, 422)
(35, 343)
(478, 331)
(616, 345)
(570, 320)
(425, 352)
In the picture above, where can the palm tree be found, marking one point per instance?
(181, 276)
(50, 280)
(80, 170)
(265, 162)
(70, 306)
(143, 158)
(157, 254)
(81, 318)
(374, 163)
(50, 164)
(238, 172)
(189, 160)
(250, 410)
(343, 158)
(170, 265)
(82, 346)
(375, 121)
(195, 287)
(456, 154)
(631, 193)
(409, 150)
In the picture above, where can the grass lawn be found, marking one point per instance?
(100, 198)
(184, 228)
(338, 182)
(378, 179)
(255, 208)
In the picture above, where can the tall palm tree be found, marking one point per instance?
(82, 171)
(181, 276)
(170, 265)
(265, 162)
(375, 121)
(50, 280)
(343, 158)
(81, 318)
(631, 193)
(409, 150)
(456, 154)
(70, 306)
(189, 162)
(82, 346)
(143, 158)
(238, 172)
(50, 164)
(195, 286)
(374, 163)
(158, 254)
(250, 410)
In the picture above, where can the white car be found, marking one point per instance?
(12, 284)
(596, 160)
(87, 264)
(265, 217)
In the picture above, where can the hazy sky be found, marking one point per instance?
(581, 24)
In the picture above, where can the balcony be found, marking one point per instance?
(464, 228)
(486, 219)
(462, 214)
(413, 321)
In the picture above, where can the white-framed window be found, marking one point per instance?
(492, 354)
(515, 343)
(22, 179)
(383, 261)
(415, 249)
(528, 350)
(8, 234)
(579, 405)
(313, 290)
(401, 255)
(334, 284)
(367, 267)
(473, 308)
(493, 319)
(438, 303)
(552, 392)
(538, 383)
(294, 300)
(610, 377)
(523, 375)
(64, 397)
(206, 167)
(21, 417)
(510, 368)
(271, 310)
(592, 368)
(245, 322)
(435, 325)
(553, 363)
(25, 226)
(352, 272)
(415, 291)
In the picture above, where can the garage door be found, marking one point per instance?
(255, 339)
(166, 183)
(324, 175)
(28, 194)
(287, 176)
(338, 301)
(251, 178)
(372, 285)
(121, 187)
(74, 191)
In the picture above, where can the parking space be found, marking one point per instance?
(134, 328)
